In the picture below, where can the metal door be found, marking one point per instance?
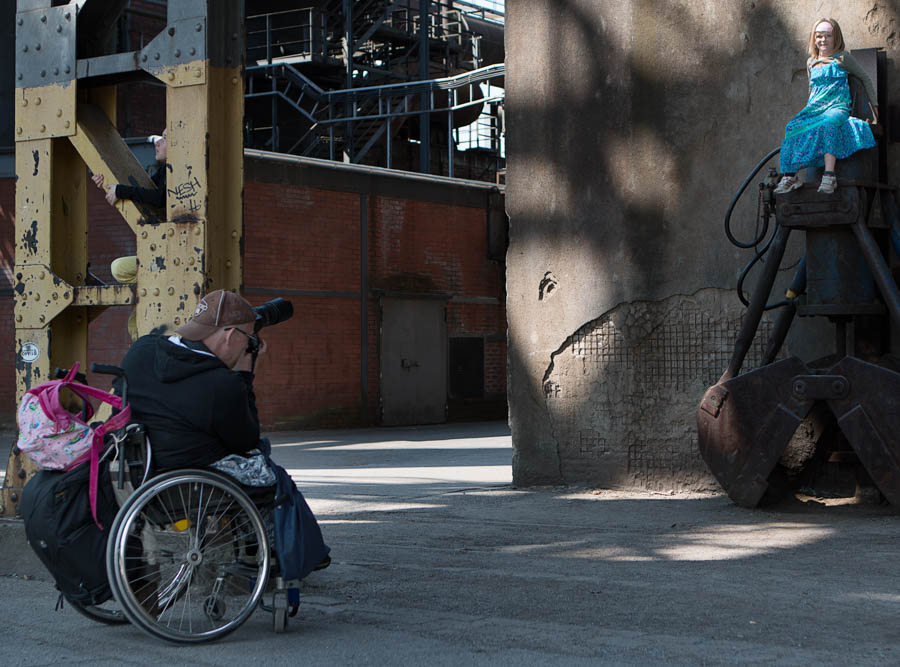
(413, 361)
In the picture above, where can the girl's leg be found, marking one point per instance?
(829, 182)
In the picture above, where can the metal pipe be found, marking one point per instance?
(757, 303)
(786, 315)
(879, 269)
(364, 309)
(424, 117)
(375, 171)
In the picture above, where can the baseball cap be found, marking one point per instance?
(215, 311)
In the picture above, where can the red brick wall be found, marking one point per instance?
(303, 243)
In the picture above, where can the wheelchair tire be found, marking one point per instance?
(188, 559)
(107, 613)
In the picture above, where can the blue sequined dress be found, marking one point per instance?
(825, 124)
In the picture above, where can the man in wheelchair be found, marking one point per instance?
(193, 392)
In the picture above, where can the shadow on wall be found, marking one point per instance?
(630, 127)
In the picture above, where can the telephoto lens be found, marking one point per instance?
(272, 312)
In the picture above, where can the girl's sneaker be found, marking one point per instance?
(786, 184)
(829, 184)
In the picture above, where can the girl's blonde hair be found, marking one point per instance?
(838, 37)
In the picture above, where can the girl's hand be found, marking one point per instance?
(98, 180)
(111, 194)
(874, 120)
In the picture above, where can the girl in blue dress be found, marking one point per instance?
(824, 132)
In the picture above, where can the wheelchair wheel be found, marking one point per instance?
(187, 557)
(108, 613)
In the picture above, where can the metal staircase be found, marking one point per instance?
(342, 80)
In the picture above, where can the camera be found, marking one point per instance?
(272, 312)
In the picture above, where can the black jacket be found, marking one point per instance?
(195, 408)
(151, 196)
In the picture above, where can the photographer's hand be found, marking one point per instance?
(246, 362)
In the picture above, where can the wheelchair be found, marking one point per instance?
(188, 557)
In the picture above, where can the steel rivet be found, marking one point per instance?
(68, 16)
(20, 22)
(143, 235)
(18, 130)
(18, 318)
(55, 296)
(144, 57)
(25, 49)
(156, 57)
(193, 51)
(42, 275)
(198, 27)
(234, 80)
(197, 231)
(43, 72)
(68, 69)
(37, 47)
(171, 231)
(25, 102)
(37, 297)
(42, 318)
(37, 101)
(228, 264)
(59, 113)
(20, 76)
(171, 31)
(177, 320)
(177, 53)
(234, 233)
(152, 247)
(171, 291)
(68, 124)
(43, 128)
(198, 74)
(171, 76)
(155, 291)
(59, 28)
(143, 292)
(176, 261)
(191, 261)
(43, 19)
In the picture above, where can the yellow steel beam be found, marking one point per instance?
(105, 152)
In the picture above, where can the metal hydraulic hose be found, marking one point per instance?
(755, 242)
(757, 304)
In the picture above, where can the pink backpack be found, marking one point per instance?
(56, 439)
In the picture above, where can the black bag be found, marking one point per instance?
(61, 530)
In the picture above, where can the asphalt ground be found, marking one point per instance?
(438, 560)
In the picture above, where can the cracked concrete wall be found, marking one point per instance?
(631, 125)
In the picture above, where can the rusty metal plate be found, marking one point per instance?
(745, 424)
(870, 418)
(808, 208)
(45, 111)
(40, 296)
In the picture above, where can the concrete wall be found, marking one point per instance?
(630, 126)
